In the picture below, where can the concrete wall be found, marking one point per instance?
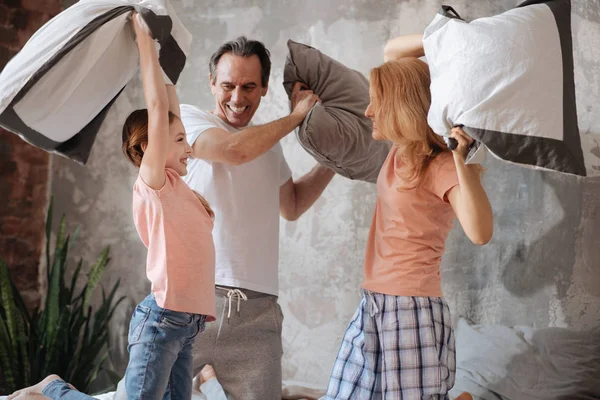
(541, 268)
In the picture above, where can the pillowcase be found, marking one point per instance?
(56, 92)
(336, 133)
(523, 363)
(509, 81)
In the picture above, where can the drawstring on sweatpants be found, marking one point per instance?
(233, 294)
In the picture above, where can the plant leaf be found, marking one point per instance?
(71, 288)
(67, 336)
(10, 310)
(60, 236)
(22, 340)
(54, 292)
(48, 231)
(20, 303)
(52, 361)
(95, 275)
(75, 235)
(94, 372)
(6, 358)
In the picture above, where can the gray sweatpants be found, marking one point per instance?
(244, 347)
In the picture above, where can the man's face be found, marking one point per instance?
(237, 89)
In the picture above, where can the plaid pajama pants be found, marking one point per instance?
(395, 347)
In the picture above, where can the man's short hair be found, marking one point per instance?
(244, 48)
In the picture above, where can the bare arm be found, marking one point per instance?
(173, 100)
(297, 197)
(468, 199)
(218, 145)
(404, 46)
(152, 168)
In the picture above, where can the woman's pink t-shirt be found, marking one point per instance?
(409, 230)
(177, 230)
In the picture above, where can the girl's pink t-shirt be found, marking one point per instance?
(177, 230)
(409, 229)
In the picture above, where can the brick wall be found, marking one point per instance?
(23, 168)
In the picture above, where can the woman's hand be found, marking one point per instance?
(139, 26)
(468, 198)
(464, 143)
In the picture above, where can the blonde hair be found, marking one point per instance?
(135, 134)
(401, 100)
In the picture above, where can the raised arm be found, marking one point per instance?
(173, 100)
(404, 46)
(152, 168)
(469, 200)
(218, 145)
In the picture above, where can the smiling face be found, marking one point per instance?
(237, 89)
(178, 149)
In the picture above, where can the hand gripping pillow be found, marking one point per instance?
(509, 81)
(56, 91)
(336, 133)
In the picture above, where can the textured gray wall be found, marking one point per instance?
(541, 268)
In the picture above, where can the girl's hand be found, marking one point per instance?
(139, 26)
(464, 143)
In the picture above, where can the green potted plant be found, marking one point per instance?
(67, 336)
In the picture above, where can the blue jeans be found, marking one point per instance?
(59, 390)
(160, 352)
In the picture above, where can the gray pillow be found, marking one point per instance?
(336, 133)
(523, 363)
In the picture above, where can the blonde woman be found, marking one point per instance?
(400, 342)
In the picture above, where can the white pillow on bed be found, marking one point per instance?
(523, 363)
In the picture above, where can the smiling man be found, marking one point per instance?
(240, 169)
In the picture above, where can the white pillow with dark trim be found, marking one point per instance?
(509, 81)
(56, 91)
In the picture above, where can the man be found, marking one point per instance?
(240, 169)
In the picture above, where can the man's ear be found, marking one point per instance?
(213, 88)
(264, 90)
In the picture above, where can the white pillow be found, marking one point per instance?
(57, 90)
(509, 81)
(522, 363)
